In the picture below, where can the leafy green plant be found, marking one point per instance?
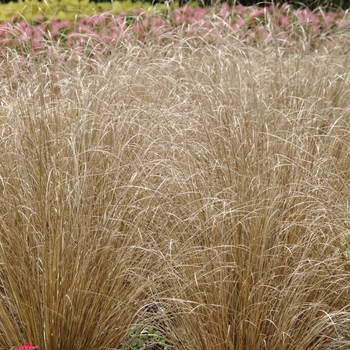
(152, 330)
(149, 337)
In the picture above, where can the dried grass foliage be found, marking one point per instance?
(210, 181)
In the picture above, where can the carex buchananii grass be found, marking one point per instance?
(197, 191)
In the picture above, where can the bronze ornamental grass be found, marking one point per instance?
(186, 194)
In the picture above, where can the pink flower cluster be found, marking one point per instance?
(28, 346)
(209, 24)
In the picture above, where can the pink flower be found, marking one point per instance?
(23, 25)
(282, 20)
(256, 13)
(28, 346)
(286, 6)
(200, 13)
(342, 23)
(59, 26)
(329, 18)
(225, 10)
(239, 24)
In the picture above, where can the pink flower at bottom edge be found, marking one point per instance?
(28, 346)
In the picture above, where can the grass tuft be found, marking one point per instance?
(187, 196)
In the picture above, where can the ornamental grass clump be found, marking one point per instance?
(180, 195)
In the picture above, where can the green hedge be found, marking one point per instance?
(69, 9)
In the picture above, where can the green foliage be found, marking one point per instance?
(148, 337)
(69, 9)
(153, 332)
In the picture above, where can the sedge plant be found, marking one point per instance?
(179, 195)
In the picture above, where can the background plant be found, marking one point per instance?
(95, 35)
